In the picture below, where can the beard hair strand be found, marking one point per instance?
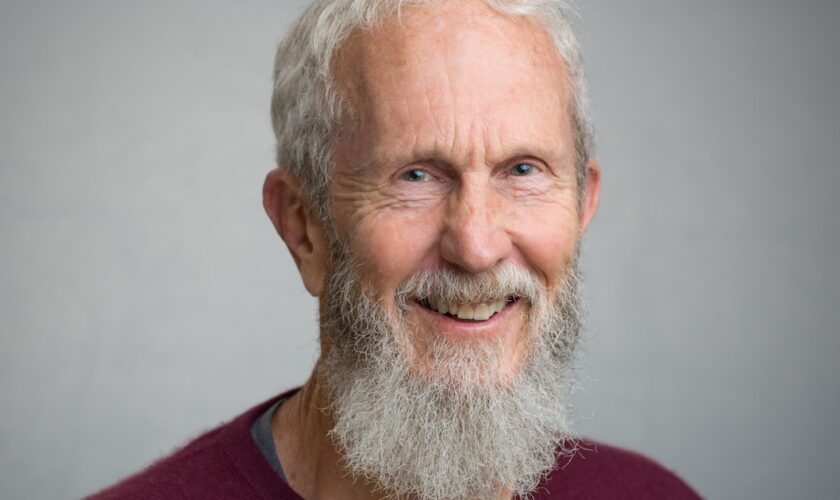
(456, 430)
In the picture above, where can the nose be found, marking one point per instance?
(475, 238)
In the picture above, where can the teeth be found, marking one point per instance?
(480, 312)
(499, 305)
(465, 312)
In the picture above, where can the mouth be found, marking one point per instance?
(467, 312)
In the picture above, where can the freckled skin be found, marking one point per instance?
(448, 101)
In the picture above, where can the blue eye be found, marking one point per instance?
(415, 175)
(521, 169)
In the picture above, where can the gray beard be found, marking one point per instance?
(456, 427)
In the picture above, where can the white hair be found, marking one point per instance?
(448, 423)
(306, 106)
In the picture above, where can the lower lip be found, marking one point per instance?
(490, 328)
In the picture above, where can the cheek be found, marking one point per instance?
(392, 248)
(547, 239)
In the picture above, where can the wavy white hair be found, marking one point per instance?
(307, 107)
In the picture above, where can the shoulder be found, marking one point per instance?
(182, 474)
(221, 463)
(165, 478)
(597, 470)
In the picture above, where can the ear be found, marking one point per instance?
(591, 195)
(290, 211)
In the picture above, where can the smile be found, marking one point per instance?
(467, 312)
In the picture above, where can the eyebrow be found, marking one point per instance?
(553, 156)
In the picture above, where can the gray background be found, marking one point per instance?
(144, 296)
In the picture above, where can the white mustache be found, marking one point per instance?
(504, 283)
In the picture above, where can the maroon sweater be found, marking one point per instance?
(225, 463)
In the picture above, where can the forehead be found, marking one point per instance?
(441, 70)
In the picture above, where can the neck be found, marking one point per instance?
(310, 460)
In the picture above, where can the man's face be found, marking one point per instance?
(460, 156)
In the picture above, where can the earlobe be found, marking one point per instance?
(289, 209)
(592, 194)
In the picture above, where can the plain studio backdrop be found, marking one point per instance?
(144, 295)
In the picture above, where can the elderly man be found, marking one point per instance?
(434, 181)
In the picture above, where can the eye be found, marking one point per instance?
(416, 175)
(522, 169)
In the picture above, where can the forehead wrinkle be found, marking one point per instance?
(465, 138)
(377, 69)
